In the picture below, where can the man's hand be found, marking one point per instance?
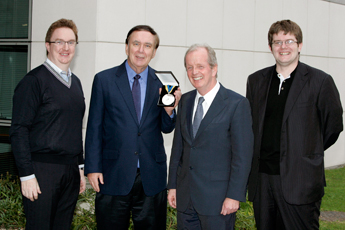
(31, 189)
(178, 95)
(82, 181)
(230, 206)
(94, 178)
(172, 197)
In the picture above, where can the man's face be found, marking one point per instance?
(285, 55)
(199, 72)
(61, 55)
(140, 50)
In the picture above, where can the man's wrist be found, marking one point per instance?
(26, 178)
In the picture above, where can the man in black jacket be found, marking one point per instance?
(297, 115)
(46, 133)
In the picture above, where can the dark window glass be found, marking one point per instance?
(14, 60)
(14, 19)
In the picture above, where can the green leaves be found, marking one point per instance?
(11, 207)
(12, 212)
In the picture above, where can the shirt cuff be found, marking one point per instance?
(81, 166)
(172, 115)
(25, 178)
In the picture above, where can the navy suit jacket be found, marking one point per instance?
(115, 140)
(216, 163)
(312, 122)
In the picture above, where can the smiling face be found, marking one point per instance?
(199, 71)
(286, 55)
(140, 50)
(61, 56)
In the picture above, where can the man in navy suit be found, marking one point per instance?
(125, 160)
(212, 148)
(297, 115)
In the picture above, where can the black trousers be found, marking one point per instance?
(148, 212)
(191, 220)
(54, 208)
(272, 212)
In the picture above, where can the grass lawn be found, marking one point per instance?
(334, 198)
(11, 210)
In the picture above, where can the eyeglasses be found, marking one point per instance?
(62, 43)
(288, 42)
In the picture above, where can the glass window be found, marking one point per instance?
(15, 36)
(14, 59)
(14, 19)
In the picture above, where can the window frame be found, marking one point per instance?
(20, 42)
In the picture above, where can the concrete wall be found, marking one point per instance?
(236, 29)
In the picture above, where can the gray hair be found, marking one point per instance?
(212, 59)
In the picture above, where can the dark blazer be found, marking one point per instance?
(312, 122)
(216, 164)
(115, 140)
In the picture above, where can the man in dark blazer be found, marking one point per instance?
(125, 160)
(297, 115)
(209, 164)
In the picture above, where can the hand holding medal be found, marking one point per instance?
(170, 85)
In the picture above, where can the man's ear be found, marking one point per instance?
(48, 47)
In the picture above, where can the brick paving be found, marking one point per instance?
(332, 216)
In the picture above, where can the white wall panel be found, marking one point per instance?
(239, 24)
(336, 70)
(237, 66)
(115, 18)
(262, 60)
(266, 13)
(336, 30)
(44, 13)
(204, 22)
(168, 19)
(318, 28)
(317, 62)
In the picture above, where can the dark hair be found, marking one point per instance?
(59, 24)
(288, 27)
(143, 28)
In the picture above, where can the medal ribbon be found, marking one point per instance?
(169, 88)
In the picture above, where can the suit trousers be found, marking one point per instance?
(272, 212)
(54, 208)
(148, 212)
(191, 220)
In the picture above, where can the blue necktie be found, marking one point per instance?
(136, 93)
(198, 116)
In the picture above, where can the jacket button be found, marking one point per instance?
(136, 153)
(139, 134)
(190, 167)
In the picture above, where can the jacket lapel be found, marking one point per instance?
(189, 113)
(152, 87)
(121, 79)
(299, 81)
(264, 89)
(216, 107)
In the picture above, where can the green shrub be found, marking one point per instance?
(11, 208)
(12, 212)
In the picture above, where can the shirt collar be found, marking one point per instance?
(131, 73)
(210, 95)
(57, 69)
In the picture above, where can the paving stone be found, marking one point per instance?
(332, 216)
